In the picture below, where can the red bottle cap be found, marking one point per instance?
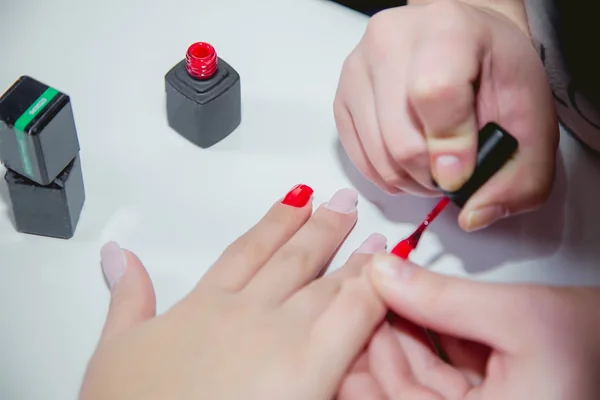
(201, 60)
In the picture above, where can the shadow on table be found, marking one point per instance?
(530, 236)
(582, 234)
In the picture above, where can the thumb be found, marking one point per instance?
(132, 298)
(441, 93)
(476, 311)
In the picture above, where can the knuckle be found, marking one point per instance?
(351, 67)
(409, 153)
(394, 179)
(447, 14)
(378, 33)
(428, 88)
(295, 255)
(390, 190)
(328, 223)
(254, 244)
(245, 250)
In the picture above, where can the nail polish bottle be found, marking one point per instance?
(38, 137)
(52, 210)
(203, 96)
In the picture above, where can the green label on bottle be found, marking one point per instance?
(24, 120)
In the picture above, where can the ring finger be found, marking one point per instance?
(399, 126)
(360, 103)
(364, 113)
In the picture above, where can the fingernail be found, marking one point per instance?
(450, 172)
(484, 217)
(376, 243)
(389, 269)
(113, 263)
(298, 196)
(343, 201)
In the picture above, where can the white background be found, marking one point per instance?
(178, 206)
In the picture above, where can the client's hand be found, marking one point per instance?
(257, 326)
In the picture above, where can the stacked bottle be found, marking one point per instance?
(39, 147)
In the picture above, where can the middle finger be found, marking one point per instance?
(314, 299)
(305, 255)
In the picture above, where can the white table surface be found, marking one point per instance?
(178, 206)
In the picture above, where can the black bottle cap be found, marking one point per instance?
(495, 148)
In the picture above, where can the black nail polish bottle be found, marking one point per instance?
(203, 96)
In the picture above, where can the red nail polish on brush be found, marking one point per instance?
(406, 246)
(299, 196)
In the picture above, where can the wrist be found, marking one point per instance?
(514, 10)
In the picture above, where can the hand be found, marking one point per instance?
(421, 83)
(257, 326)
(517, 342)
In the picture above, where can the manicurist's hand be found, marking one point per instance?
(518, 342)
(424, 79)
(257, 326)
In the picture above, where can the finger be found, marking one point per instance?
(356, 311)
(353, 71)
(391, 173)
(428, 368)
(353, 147)
(361, 364)
(132, 298)
(360, 102)
(305, 255)
(441, 79)
(360, 386)
(391, 369)
(244, 257)
(530, 120)
(314, 299)
(470, 358)
(454, 306)
(399, 126)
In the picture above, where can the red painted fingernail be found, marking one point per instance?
(299, 196)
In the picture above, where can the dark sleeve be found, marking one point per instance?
(564, 33)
